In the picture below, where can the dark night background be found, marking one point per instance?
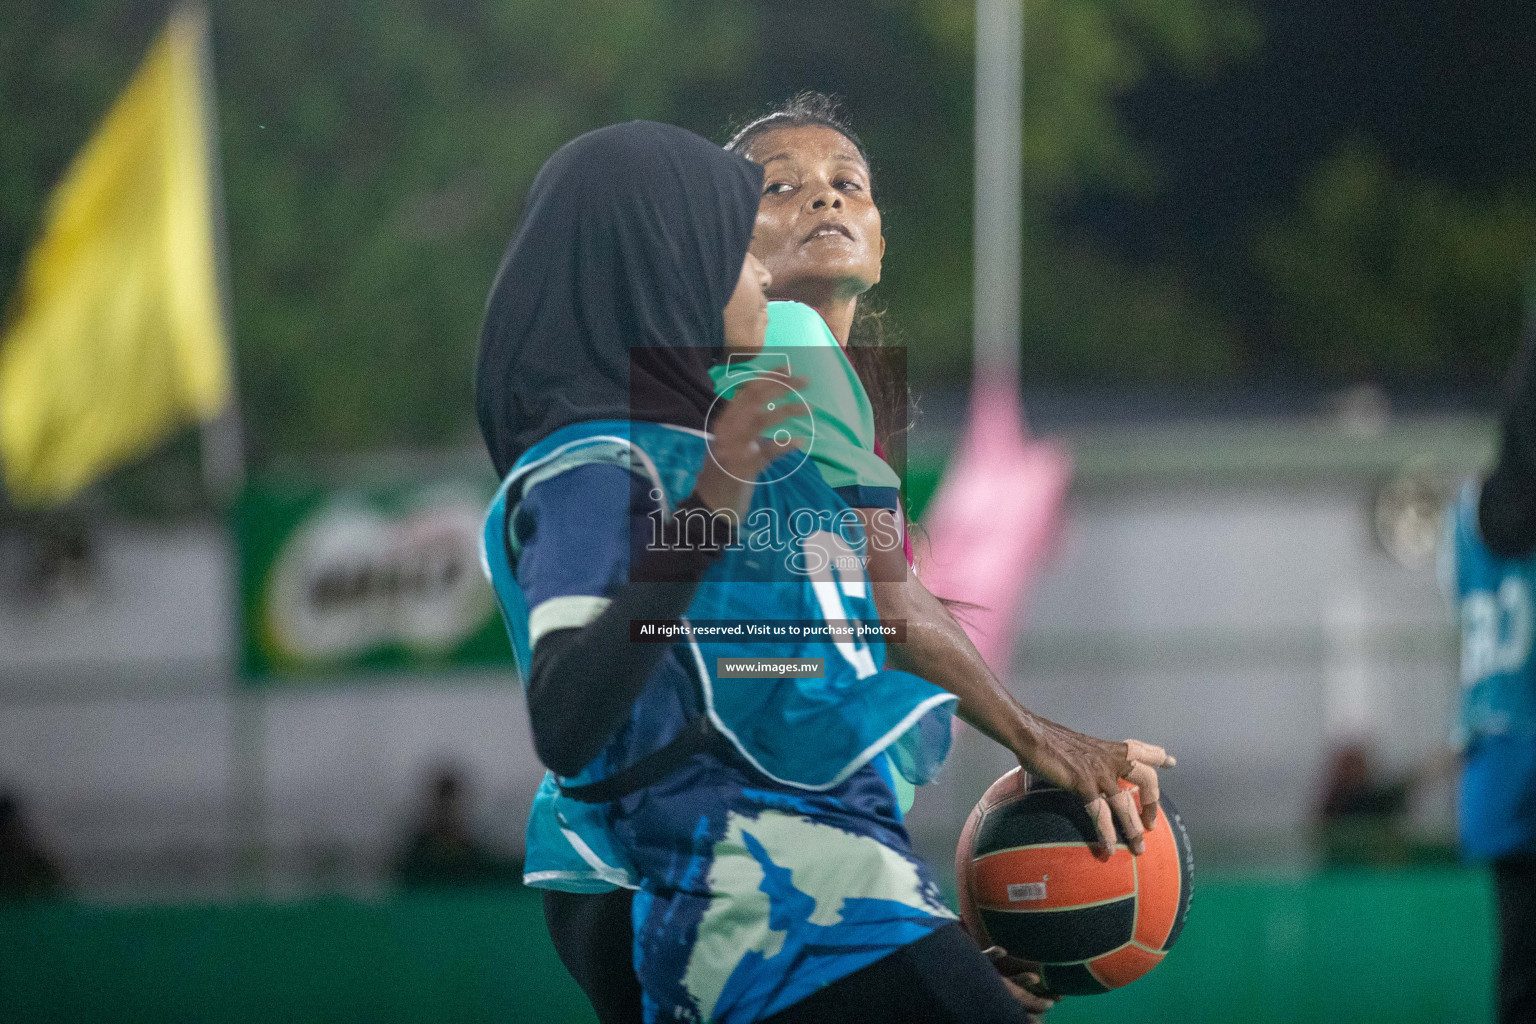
(1443, 90)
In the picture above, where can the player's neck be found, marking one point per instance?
(837, 309)
(839, 316)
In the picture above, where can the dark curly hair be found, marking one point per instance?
(805, 109)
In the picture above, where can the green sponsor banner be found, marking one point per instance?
(345, 581)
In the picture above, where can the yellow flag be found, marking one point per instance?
(119, 337)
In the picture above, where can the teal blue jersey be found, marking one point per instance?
(841, 428)
(799, 557)
(768, 875)
(1494, 598)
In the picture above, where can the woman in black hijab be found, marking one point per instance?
(627, 277)
(631, 243)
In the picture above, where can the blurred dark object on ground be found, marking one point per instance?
(442, 849)
(1364, 817)
(55, 558)
(26, 871)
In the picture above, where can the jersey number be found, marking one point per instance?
(841, 574)
(1496, 631)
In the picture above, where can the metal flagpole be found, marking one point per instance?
(998, 229)
(223, 442)
(223, 465)
(997, 235)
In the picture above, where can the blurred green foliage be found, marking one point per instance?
(375, 156)
(1385, 273)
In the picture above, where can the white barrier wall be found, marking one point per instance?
(1243, 628)
(1240, 623)
(122, 727)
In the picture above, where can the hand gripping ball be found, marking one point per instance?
(1030, 883)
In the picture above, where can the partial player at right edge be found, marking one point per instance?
(1492, 566)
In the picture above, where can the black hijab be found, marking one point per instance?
(630, 246)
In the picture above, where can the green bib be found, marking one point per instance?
(841, 424)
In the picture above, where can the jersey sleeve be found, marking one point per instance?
(576, 535)
(844, 446)
(796, 325)
(841, 425)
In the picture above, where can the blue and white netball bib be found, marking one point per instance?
(1498, 699)
(799, 559)
(1498, 625)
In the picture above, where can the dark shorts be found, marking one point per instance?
(595, 940)
(1515, 881)
(942, 979)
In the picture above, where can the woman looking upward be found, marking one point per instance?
(818, 233)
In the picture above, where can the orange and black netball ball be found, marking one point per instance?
(1030, 883)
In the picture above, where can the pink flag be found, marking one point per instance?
(992, 521)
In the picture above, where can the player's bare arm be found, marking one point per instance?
(938, 649)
